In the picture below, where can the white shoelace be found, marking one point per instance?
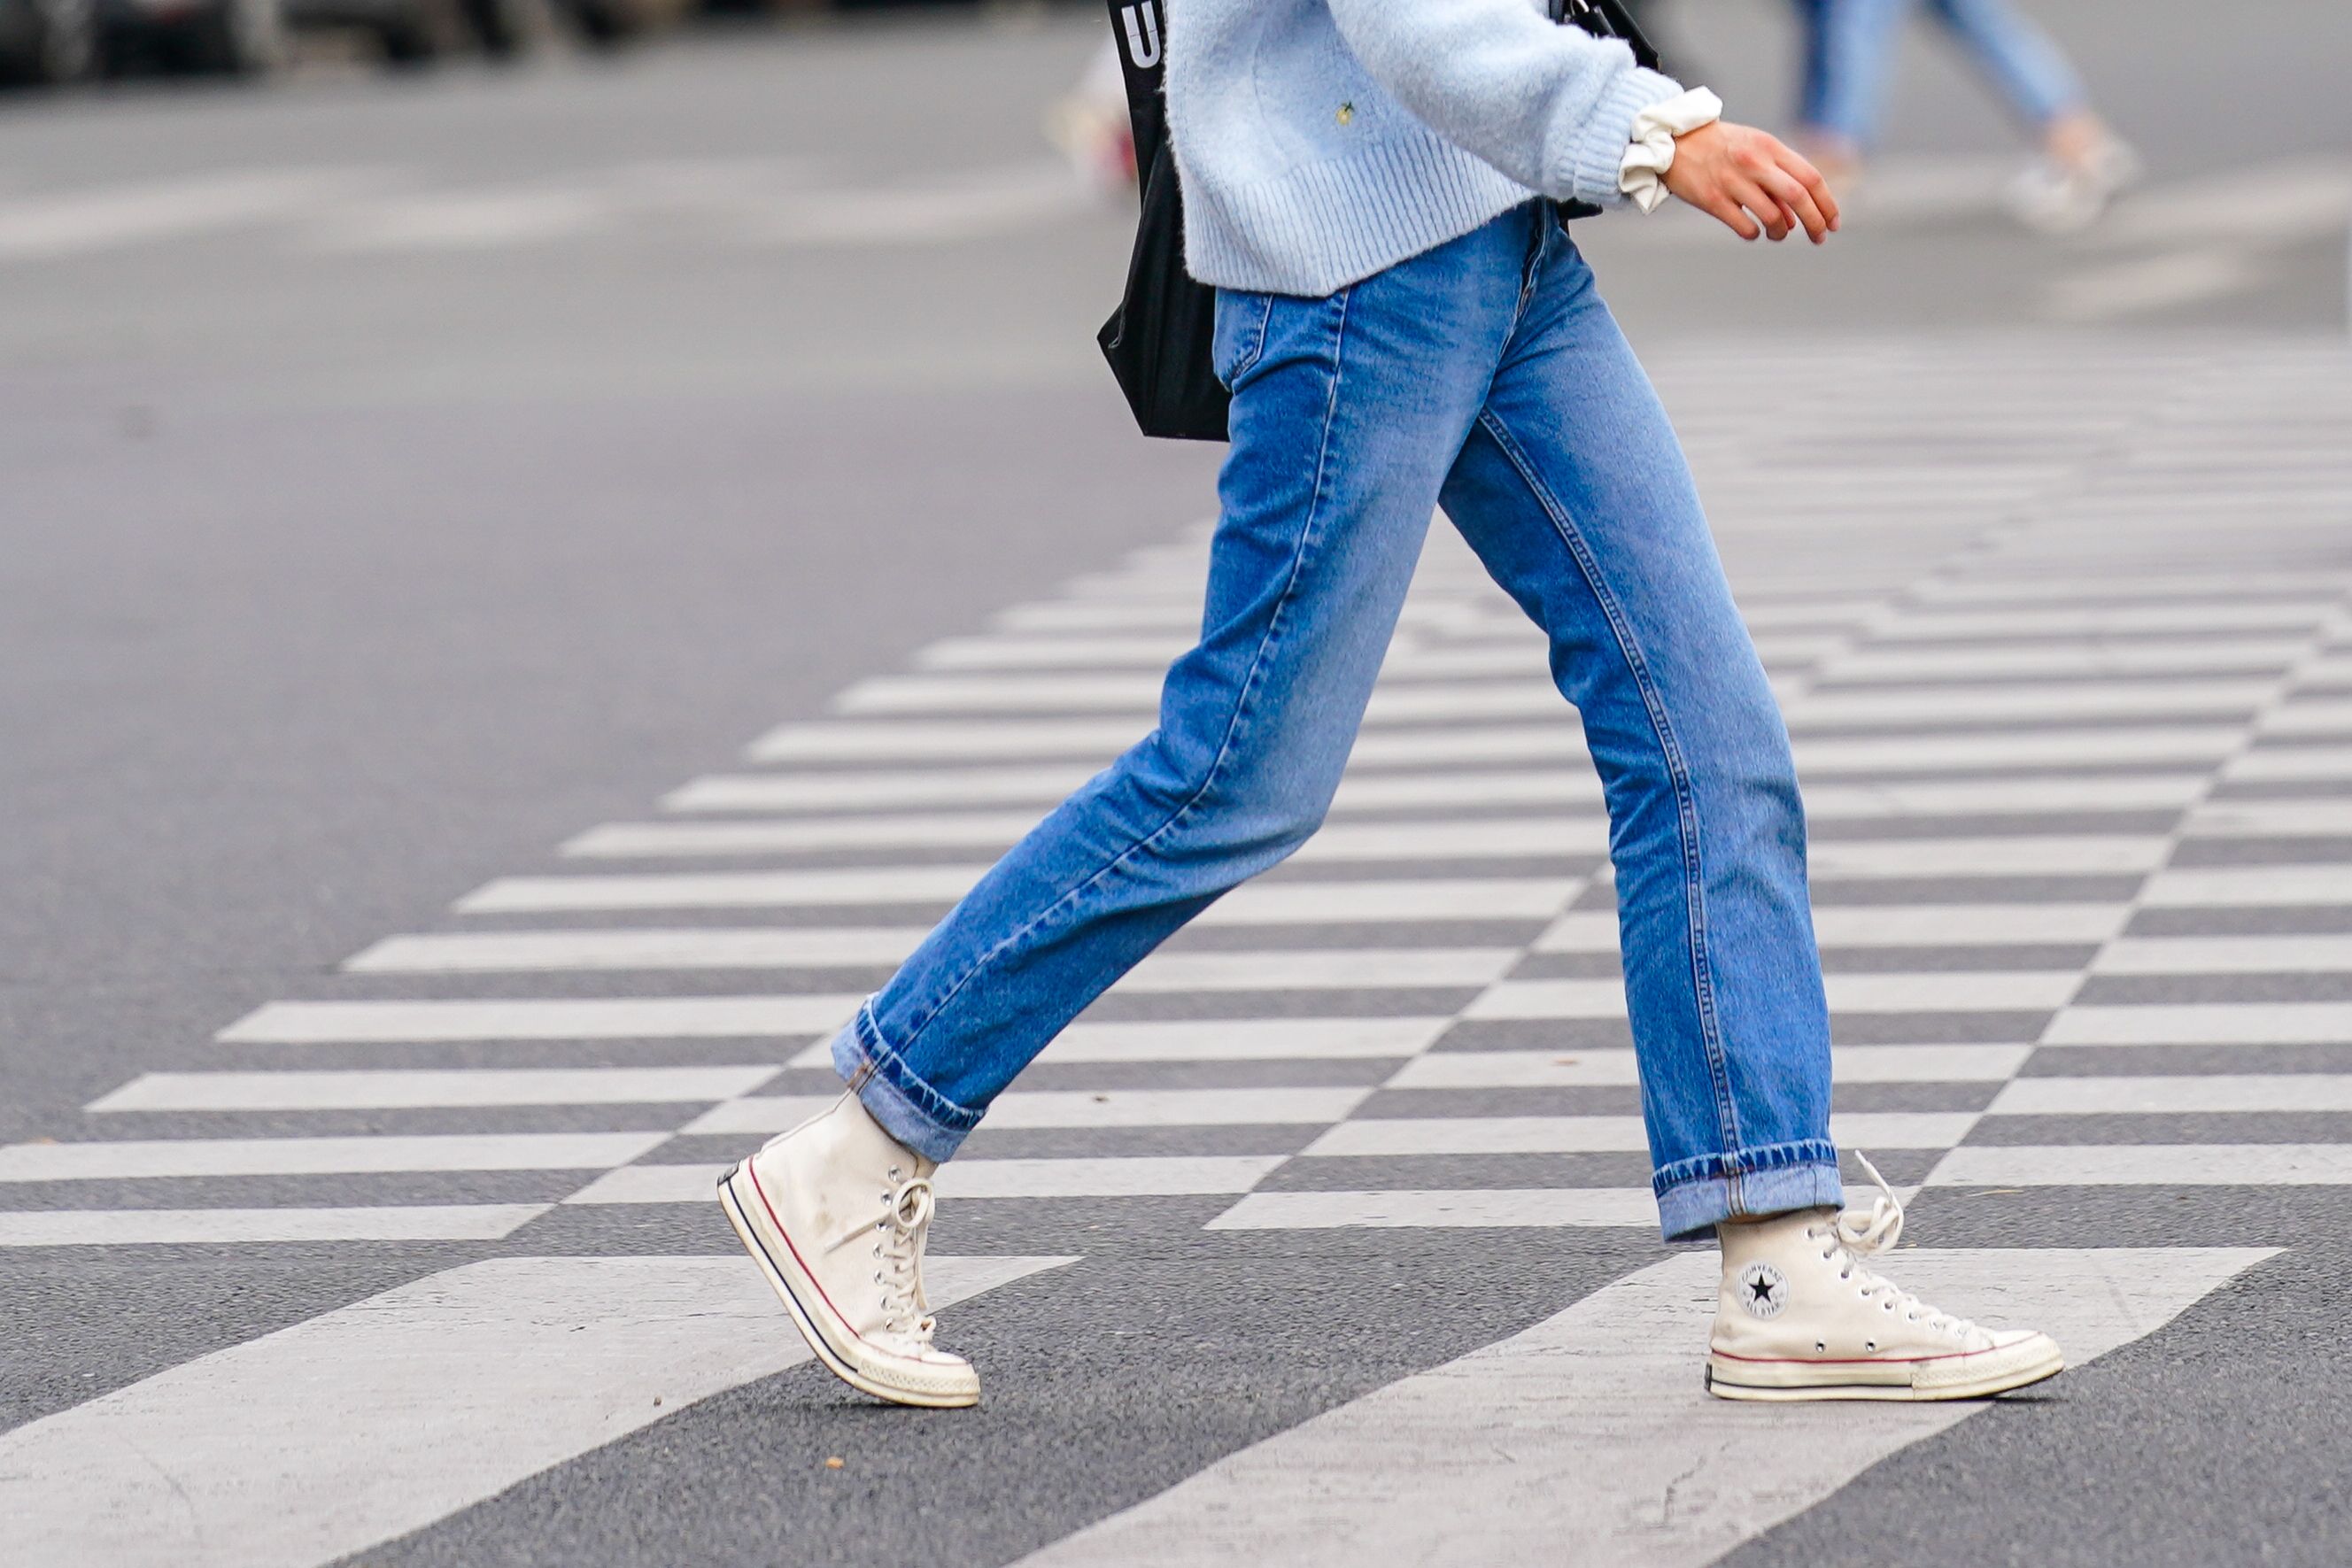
(1856, 1234)
(899, 1249)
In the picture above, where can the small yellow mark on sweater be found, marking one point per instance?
(1347, 113)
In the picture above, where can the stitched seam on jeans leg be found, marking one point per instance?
(1761, 1160)
(1249, 684)
(1685, 804)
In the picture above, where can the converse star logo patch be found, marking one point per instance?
(1763, 1290)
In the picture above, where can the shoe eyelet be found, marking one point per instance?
(1870, 1344)
(1821, 1347)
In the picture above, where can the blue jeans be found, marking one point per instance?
(1485, 375)
(1850, 52)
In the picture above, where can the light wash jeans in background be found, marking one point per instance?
(1486, 374)
(1850, 53)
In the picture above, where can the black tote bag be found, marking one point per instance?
(1159, 340)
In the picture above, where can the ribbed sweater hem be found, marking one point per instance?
(1340, 221)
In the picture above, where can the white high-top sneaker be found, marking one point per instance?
(835, 1213)
(1800, 1318)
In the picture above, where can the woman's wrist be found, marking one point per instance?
(1642, 175)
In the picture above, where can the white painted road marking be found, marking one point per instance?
(129, 1161)
(397, 1088)
(1592, 1428)
(245, 1227)
(625, 1018)
(314, 1442)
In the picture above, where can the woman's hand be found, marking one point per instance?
(1729, 172)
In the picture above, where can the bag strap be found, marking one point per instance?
(1607, 19)
(1140, 35)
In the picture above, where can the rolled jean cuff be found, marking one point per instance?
(910, 1110)
(1695, 1196)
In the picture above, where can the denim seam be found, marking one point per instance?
(1256, 348)
(1765, 1158)
(1250, 682)
(1685, 802)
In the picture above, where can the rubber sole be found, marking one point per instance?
(781, 1282)
(2004, 1382)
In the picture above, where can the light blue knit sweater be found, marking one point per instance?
(1320, 141)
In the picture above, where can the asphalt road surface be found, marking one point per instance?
(520, 595)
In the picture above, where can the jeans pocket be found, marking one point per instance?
(1239, 337)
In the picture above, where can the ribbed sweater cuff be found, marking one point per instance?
(1595, 158)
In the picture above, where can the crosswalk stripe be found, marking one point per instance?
(1229, 1039)
(1423, 839)
(2109, 621)
(1851, 1063)
(689, 947)
(1141, 1176)
(1274, 902)
(134, 1161)
(1280, 903)
(1588, 1427)
(1963, 991)
(2235, 886)
(836, 791)
(2147, 1165)
(1164, 971)
(721, 890)
(1393, 1137)
(1334, 968)
(251, 1227)
(2271, 819)
(947, 740)
(2215, 1093)
(1424, 1209)
(380, 1089)
(281, 1454)
(1081, 1108)
(1406, 702)
(80, 222)
(2309, 716)
(1878, 925)
(1997, 751)
(2060, 659)
(1045, 787)
(628, 1018)
(2290, 764)
(962, 830)
(1002, 652)
(1461, 788)
(2204, 1023)
(998, 693)
(1943, 705)
(2281, 954)
(1436, 745)
(2025, 797)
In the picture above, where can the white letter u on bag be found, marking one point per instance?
(1142, 43)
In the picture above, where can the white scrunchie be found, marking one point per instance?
(1642, 175)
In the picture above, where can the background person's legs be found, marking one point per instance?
(2024, 64)
(2084, 163)
(1325, 496)
(1849, 54)
(1575, 493)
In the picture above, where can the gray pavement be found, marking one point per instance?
(406, 477)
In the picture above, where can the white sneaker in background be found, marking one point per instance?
(2060, 198)
(1799, 1317)
(835, 1212)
